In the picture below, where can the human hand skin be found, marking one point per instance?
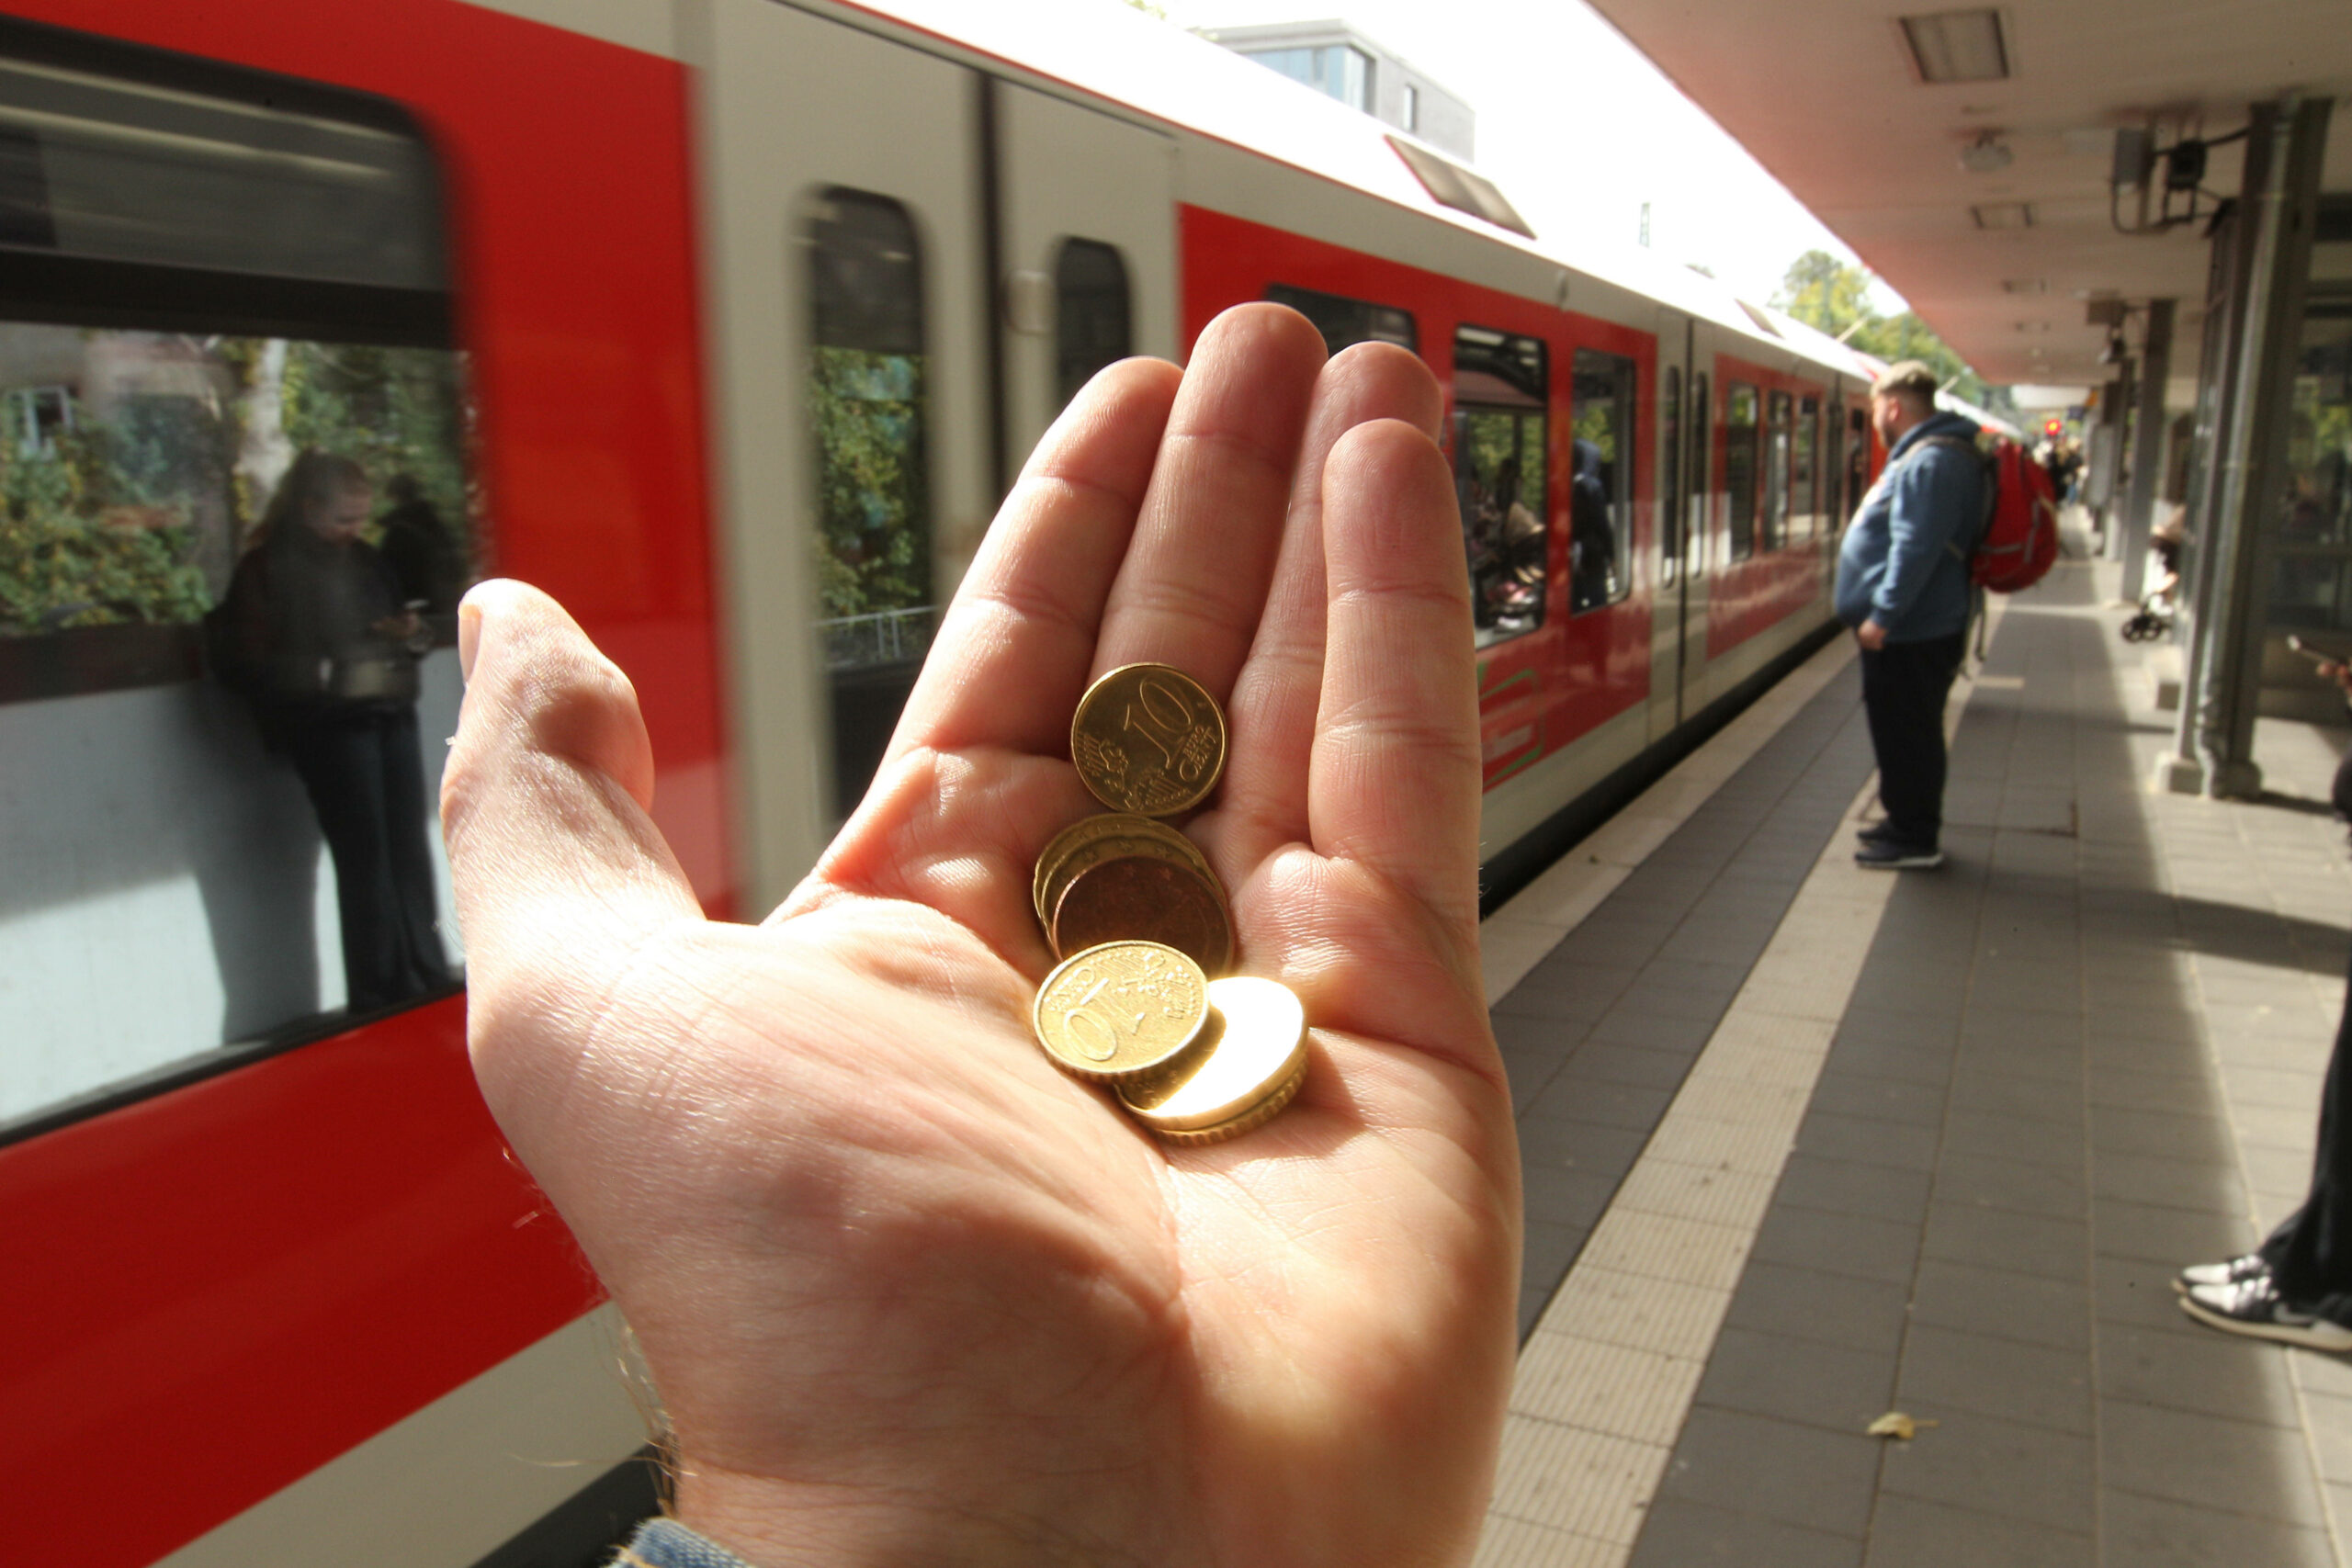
(908, 1294)
(1871, 635)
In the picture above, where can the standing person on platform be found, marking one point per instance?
(2297, 1286)
(1903, 585)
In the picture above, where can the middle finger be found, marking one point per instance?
(1193, 584)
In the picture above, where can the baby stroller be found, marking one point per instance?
(2152, 621)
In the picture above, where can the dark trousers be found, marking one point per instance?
(365, 781)
(2311, 1252)
(1903, 688)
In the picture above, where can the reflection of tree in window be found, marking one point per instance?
(134, 477)
(1499, 445)
(1702, 424)
(1092, 320)
(1600, 490)
(1775, 475)
(1801, 474)
(866, 395)
(1741, 407)
(1670, 487)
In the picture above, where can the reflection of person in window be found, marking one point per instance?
(318, 639)
(417, 545)
(1592, 542)
(1518, 585)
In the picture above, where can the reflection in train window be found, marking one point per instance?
(1092, 319)
(1343, 320)
(1501, 432)
(234, 523)
(1858, 458)
(1670, 490)
(1702, 424)
(1776, 474)
(867, 402)
(1601, 491)
(1802, 506)
(1741, 407)
(1833, 473)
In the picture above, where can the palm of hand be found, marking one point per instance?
(913, 1294)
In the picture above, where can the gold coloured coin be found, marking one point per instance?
(1119, 1010)
(1149, 738)
(1259, 1057)
(1256, 1116)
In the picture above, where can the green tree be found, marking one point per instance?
(1834, 296)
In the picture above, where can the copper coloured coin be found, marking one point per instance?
(1149, 738)
(1146, 897)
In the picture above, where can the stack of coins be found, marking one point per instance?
(1140, 1002)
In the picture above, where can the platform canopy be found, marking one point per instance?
(1864, 110)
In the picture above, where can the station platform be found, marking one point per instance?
(1806, 1145)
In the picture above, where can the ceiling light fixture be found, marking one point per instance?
(1957, 46)
(2025, 285)
(1988, 154)
(2002, 214)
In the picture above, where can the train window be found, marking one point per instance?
(1600, 492)
(1500, 440)
(1804, 506)
(1670, 487)
(234, 523)
(1343, 320)
(1776, 472)
(1833, 471)
(1702, 422)
(1858, 458)
(866, 401)
(1092, 316)
(1741, 409)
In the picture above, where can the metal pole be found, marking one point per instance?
(2147, 448)
(2116, 403)
(2182, 771)
(2282, 207)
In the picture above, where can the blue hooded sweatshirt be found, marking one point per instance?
(1905, 560)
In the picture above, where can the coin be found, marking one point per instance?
(1120, 1008)
(1149, 738)
(1107, 837)
(1147, 898)
(1254, 1066)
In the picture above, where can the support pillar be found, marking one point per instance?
(2279, 209)
(2149, 429)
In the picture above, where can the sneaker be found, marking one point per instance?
(2254, 1307)
(1886, 854)
(1877, 832)
(2226, 1273)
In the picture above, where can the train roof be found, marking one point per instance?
(1118, 54)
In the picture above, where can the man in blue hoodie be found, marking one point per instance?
(1903, 585)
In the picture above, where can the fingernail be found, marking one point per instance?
(468, 639)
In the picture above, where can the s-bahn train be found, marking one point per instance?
(727, 322)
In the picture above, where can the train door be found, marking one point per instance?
(1670, 605)
(1702, 549)
(848, 326)
(1087, 237)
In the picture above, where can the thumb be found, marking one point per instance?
(560, 875)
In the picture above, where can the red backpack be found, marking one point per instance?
(2020, 537)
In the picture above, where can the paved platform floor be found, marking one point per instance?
(1805, 1144)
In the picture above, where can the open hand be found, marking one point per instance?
(909, 1294)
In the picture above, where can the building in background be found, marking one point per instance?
(1335, 59)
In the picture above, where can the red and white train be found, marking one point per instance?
(726, 322)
